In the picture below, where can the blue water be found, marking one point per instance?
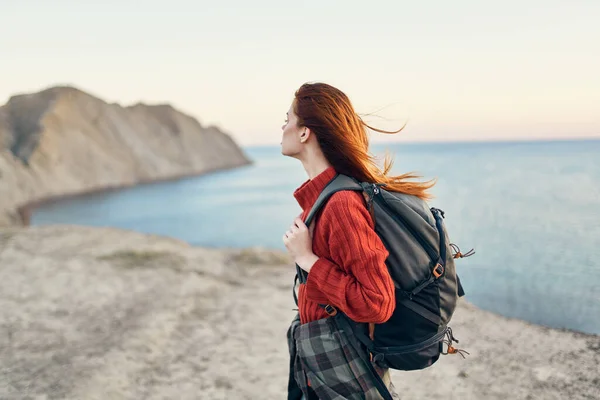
(530, 209)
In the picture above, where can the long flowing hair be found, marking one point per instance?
(342, 136)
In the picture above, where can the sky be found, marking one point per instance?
(453, 71)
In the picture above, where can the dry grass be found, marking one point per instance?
(251, 257)
(144, 259)
(5, 237)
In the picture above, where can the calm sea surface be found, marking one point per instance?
(531, 210)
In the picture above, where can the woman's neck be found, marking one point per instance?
(314, 164)
(315, 170)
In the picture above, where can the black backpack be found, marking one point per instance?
(421, 264)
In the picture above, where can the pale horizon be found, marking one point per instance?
(464, 71)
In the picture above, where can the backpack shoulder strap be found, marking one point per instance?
(338, 183)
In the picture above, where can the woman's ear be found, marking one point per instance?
(304, 135)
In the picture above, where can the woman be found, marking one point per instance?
(341, 252)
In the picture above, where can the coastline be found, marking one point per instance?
(110, 313)
(26, 210)
(63, 142)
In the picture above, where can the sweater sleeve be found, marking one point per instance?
(355, 279)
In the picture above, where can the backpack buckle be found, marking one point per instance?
(438, 271)
(438, 211)
(330, 310)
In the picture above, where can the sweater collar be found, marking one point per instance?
(309, 191)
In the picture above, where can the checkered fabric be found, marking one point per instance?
(322, 355)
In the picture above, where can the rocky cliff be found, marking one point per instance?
(64, 141)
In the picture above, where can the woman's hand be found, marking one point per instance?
(298, 242)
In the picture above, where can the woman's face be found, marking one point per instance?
(290, 139)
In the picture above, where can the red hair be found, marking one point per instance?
(343, 138)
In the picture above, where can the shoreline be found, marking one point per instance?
(26, 210)
(588, 335)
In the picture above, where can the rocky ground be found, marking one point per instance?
(91, 313)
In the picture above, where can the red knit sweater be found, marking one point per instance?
(351, 273)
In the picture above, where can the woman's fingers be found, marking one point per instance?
(299, 223)
(297, 227)
(286, 239)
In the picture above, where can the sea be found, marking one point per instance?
(531, 211)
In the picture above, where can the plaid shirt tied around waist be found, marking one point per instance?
(324, 362)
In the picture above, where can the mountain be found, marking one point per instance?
(63, 141)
